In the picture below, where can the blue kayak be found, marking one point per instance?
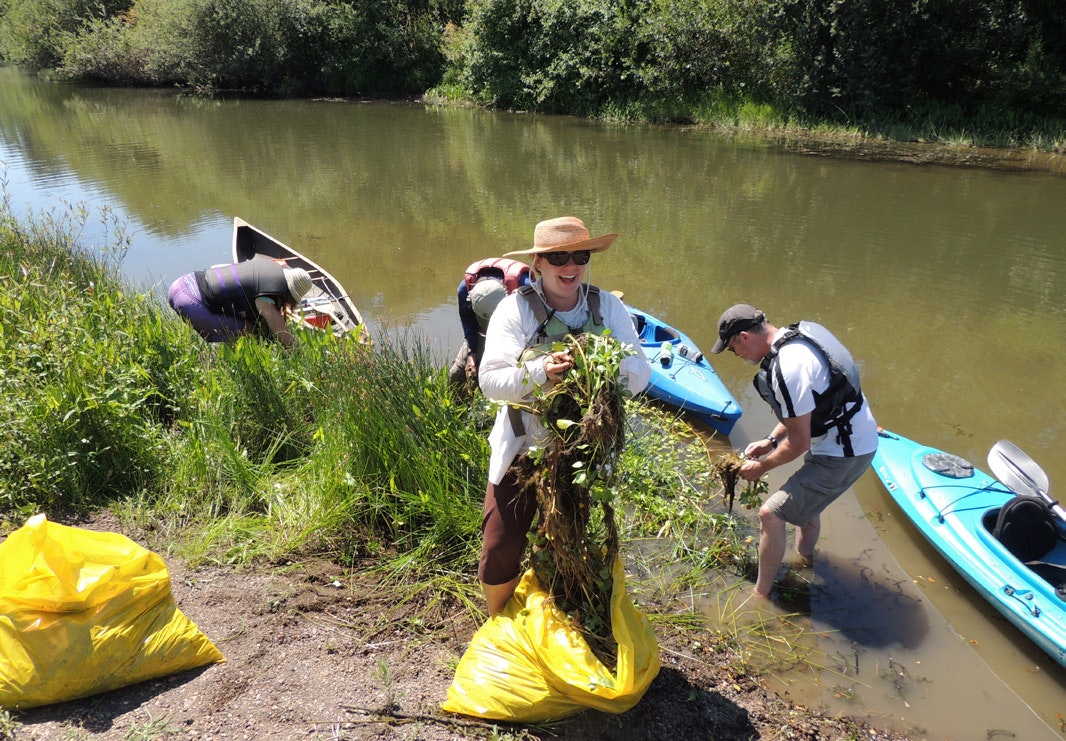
(955, 506)
(681, 376)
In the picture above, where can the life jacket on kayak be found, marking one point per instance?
(233, 289)
(834, 408)
(551, 329)
(513, 273)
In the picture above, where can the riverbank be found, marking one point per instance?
(317, 650)
(921, 153)
(846, 142)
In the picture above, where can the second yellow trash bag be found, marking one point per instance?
(529, 664)
(83, 612)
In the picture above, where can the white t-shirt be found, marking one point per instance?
(805, 373)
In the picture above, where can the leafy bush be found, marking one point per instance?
(555, 56)
(273, 46)
(32, 31)
(103, 50)
(866, 56)
(826, 57)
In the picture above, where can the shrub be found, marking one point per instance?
(32, 31)
(557, 57)
(289, 47)
(865, 56)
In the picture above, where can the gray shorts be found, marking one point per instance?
(817, 483)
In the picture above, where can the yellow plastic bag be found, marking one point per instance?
(529, 664)
(83, 612)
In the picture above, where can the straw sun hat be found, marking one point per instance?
(299, 282)
(565, 234)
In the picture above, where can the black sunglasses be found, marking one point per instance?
(558, 259)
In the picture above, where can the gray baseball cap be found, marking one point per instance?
(734, 320)
(486, 295)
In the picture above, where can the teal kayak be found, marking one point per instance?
(956, 507)
(681, 376)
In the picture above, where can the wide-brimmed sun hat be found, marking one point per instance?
(565, 234)
(486, 295)
(299, 282)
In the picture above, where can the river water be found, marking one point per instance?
(945, 282)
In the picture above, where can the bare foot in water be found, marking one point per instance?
(757, 599)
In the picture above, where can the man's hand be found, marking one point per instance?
(758, 449)
(751, 470)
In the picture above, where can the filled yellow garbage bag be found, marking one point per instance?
(83, 612)
(529, 664)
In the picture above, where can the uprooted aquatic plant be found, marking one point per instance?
(576, 542)
(727, 470)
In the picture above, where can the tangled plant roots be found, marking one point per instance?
(727, 470)
(576, 542)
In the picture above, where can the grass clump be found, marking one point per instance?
(86, 391)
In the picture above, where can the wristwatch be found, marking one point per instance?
(773, 441)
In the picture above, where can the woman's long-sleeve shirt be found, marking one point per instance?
(505, 377)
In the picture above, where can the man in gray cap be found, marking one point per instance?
(811, 383)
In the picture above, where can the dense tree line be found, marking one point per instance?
(658, 59)
(286, 47)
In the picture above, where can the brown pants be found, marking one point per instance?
(508, 516)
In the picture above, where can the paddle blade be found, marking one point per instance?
(1013, 467)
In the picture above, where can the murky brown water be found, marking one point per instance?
(945, 282)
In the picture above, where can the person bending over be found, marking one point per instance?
(226, 301)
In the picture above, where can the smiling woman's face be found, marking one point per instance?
(560, 283)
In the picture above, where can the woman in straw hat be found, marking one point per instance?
(226, 301)
(558, 303)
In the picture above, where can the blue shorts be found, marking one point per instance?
(816, 485)
(184, 297)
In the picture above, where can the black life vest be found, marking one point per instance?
(233, 289)
(833, 408)
(512, 272)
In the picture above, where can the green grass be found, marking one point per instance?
(8, 726)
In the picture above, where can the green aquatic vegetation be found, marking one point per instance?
(727, 470)
(668, 491)
(576, 541)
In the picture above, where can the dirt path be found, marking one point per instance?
(312, 654)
